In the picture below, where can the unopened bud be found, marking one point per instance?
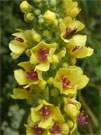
(25, 6)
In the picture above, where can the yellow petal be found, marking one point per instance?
(43, 66)
(19, 93)
(17, 47)
(83, 52)
(20, 77)
(84, 81)
(34, 115)
(46, 123)
(25, 65)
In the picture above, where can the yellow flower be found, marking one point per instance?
(25, 6)
(42, 55)
(18, 45)
(71, 8)
(49, 16)
(22, 41)
(33, 128)
(21, 93)
(45, 113)
(29, 76)
(68, 27)
(70, 79)
(72, 108)
(76, 47)
(58, 128)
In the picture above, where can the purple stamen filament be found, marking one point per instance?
(65, 82)
(45, 111)
(32, 75)
(75, 48)
(20, 39)
(42, 54)
(69, 32)
(37, 130)
(55, 129)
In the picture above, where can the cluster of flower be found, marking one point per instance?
(48, 78)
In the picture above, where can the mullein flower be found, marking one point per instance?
(58, 128)
(68, 27)
(33, 129)
(71, 8)
(66, 82)
(28, 76)
(45, 113)
(18, 45)
(72, 108)
(42, 55)
(76, 47)
(22, 41)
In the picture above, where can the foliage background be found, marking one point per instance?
(13, 116)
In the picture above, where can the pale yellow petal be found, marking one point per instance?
(20, 77)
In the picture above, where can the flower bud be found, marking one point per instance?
(72, 108)
(25, 6)
(49, 16)
(36, 37)
(28, 17)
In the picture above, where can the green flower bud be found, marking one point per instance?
(28, 17)
(53, 2)
(37, 12)
(25, 6)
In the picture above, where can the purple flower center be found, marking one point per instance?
(55, 129)
(82, 118)
(19, 39)
(69, 32)
(75, 48)
(42, 54)
(45, 111)
(32, 75)
(65, 82)
(37, 130)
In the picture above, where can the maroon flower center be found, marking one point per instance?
(75, 48)
(32, 75)
(65, 82)
(20, 39)
(69, 32)
(42, 54)
(55, 129)
(37, 130)
(45, 111)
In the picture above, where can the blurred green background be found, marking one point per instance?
(12, 115)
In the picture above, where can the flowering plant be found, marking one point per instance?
(48, 77)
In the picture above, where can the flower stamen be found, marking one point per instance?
(69, 32)
(65, 82)
(45, 111)
(20, 39)
(55, 129)
(37, 130)
(32, 75)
